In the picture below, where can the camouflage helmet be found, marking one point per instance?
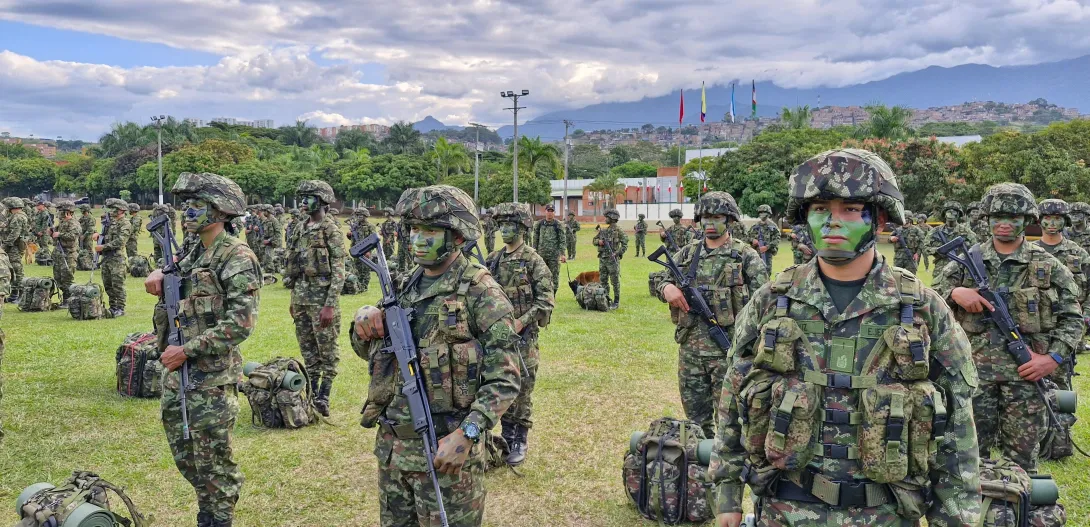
(718, 202)
(359, 211)
(278, 208)
(28, 203)
(334, 211)
(572, 213)
(1056, 207)
(134, 207)
(317, 188)
(116, 204)
(1080, 207)
(158, 209)
(223, 194)
(764, 208)
(676, 213)
(1010, 199)
(611, 213)
(388, 211)
(514, 212)
(86, 207)
(441, 206)
(65, 205)
(13, 203)
(956, 207)
(847, 173)
(640, 215)
(922, 217)
(973, 205)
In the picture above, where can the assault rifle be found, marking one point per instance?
(608, 246)
(670, 243)
(399, 341)
(172, 296)
(471, 249)
(765, 257)
(101, 241)
(900, 234)
(694, 295)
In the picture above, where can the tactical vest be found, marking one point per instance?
(1065, 252)
(515, 281)
(1031, 299)
(311, 261)
(555, 225)
(726, 295)
(838, 418)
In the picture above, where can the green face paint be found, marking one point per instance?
(1078, 219)
(839, 241)
(951, 218)
(509, 232)
(428, 243)
(311, 204)
(715, 226)
(1007, 228)
(1052, 224)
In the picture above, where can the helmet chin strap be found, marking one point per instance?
(839, 258)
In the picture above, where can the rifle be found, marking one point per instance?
(669, 239)
(767, 258)
(607, 245)
(697, 233)
(399, 341)
(102, 239)
(900, 234)
(472, 250)
(693, 295)
(172, 296)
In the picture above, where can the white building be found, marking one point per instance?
(194, 122)
(264, 123)
(224, 120)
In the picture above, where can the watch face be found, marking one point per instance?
(471, 430)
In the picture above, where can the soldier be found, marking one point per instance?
(950, 229)
(67, 235)
(573, 227)
(389, 230)
(358, 230)
(293, 220)
(488, 223)
(112, 259)
(765, 236)
(978, 224)
(221, 289)
(550, 241)
(481, 336)
(315, 274)
(641, 235)
(273, 239)
(1009, 412)
(802, 245)
(612, 243)
(172, 213)
(16, 233)
(677, 233)
(41, 224)
(526, 280)
(1079, 231)
(156, 211)
(906, 240)
(729, 270)
(920, 221)
(86, 240)
(253, 229)
(811, 366)
(404, 260)
(134, 238)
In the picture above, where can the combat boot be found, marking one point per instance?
(315, 382)
(321, 402)
(518, 446)
(205, 519)
(222, 523)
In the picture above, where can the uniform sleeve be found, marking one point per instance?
(624, 242)
(336, 265)
(1067, 336)
(541, 279)
(682, 258)
(122, 230)
(947, 279)
(5, 275)
(69, 233)
(499, 376)
(14, 231)
(241, 286)
(753, 269)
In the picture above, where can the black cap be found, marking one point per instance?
(550, 207)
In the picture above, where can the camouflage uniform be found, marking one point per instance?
(489, 226)
(1079, 232)
(812, 393)
(609, 264)
(16, 233)
(946, 232)
(800, 236)
(5, 291)
(526, 280)
(362, 229)
(641, 236)
(728, 275)
(273, 240)
(86, 240)
(404, 256)
(551, 242)
(737, 231)
(134, 237)
(389, 230)
(573, 227)
(156, 251)
(676, 232)
(767, 230)
(40, 224)
(315, 272)
(64, 258)
(925, 229)
(252, 223)
(906, 246)
(480, 337)
(1009, 413)
(112, 257)
(978, 223)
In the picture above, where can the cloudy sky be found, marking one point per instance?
(72, 67)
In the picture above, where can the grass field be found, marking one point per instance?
(602, 376)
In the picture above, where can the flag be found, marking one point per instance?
(754, 98)
(680, 192)
(732, 102)
(681, 111)
(703, 103)
(705, 185)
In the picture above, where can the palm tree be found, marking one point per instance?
(533, 151)
(299, 135)
(450, 155)
(403, 139)
(121, 138)
(886, 122)
(607, 184)
(796, 119)
(175, 133)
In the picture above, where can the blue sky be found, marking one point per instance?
(44, 43)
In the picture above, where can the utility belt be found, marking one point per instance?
(810, 486)
(109, 252)
(444, 425)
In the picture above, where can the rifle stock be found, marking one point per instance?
(172, 296)
(693, 296)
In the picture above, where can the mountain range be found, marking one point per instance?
(430, 123)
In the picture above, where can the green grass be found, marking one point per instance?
(602, 376)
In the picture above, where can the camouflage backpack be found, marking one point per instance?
(351, 285)
(279, 394)
(83, 501)
(139, 266)
(654, 280)
(664, 472)
(1058, 442)
(43, 257)
(84, 260)
(1013, 498)
(85, 301)
(138, 367)
(593, 297)
(37, 294)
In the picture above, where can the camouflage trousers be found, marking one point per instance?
(798, 256)
(521, 411)
(905, 261)
(131, 247)
(1010, 416)
(45, 243)
(388, 248)
(205, 460)
(64, 269)
(641, 243)
(571, 245)
(553, 263)
(490, 242)
(113, 278)
(776, 512)
(700, 379)
(268, 261)
(318, 345)
(610, 271)
(407, 498)
(363, 273)
(15, 258)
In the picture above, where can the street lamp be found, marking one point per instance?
(477, 166)
(515, 106)
(159, 127)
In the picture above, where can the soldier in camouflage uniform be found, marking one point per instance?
(847, 400)
(1079, 232)
(134, 237)
(951, 228)
(978, 223)
(551, 242)
(573, 227)
(358, 230)
(802, 245)
(16, 233)
(172, 213)
(404, 259)
(1009, 413)
(612, 243)
(253, 229)
(40, 223)
(920, 222)
(676, 233)
(641, 235)
(273, 240)
(156, 251)
(729, 271)
(389, 230)
(221, 287)
(315, 274)
(906, 240)
(478, 336)
(488, 223)
(66, 235)
(5, 291)
(87, 230)
(527, 282)
(112, 257)
(765, 229)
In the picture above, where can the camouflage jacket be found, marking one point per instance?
(680, 234)
(771, 233)
(1081, 238)
(220, 292)
(573, 226)
(527, 282)
(550, 238)
(136, 222)
(800, 235)
(316, 263)
(68, 237)
(942, 234)
(907, 235)
(16, 233)
(1044, 300)
(39, 222)
(274, 233)
(488, 225)
(641, 228)
(951, 466)
(980, 228)
(1078, 262)
(389, 230)
(727, 276)
(362, 228)
(87, 227)
(737, 231)
(5, 278)
(617, 240)
(116, 235)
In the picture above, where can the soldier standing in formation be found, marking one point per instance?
(488, 223)
(1009, 413)
(362, 228)
(16, 233)
(221, 290)
(810, 366)
(950, 229)
(729, 271)
(767, 230)
(677, 235)
(1079, 232)
(573, 227)
(156, 251)
(464, 321)
(1055, 215)
(551, 243)
(978, 224)
(641, 235)
(86, 240)
(920, 221)
(802, 244)
(66, 235)
(612, 243)
(315, 275)
(906, 240)
(389, 230)
(40, 224)
(527, 282)
(253, 229)
(112, 259)
(274, 239)
(134, 232)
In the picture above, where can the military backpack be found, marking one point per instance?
(84, 260)
(664, 472)
(43, 257)
(1013, 498)
(139, 266)
(1058, 443)
(83, 501)
(592, 297)
(139, 371)
(37, 294)
(279, 394)
(85, 301)
(351, 285)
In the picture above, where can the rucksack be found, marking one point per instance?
(139, 371)
(85, 301)
(1013, 498)
(84, 260)
(1058, 443)
(654, 280)
(37, 294)
(279, 394)
(43, 257)
(351, 284)
(592, 297)
(83, 500)
(139, 266)
(664, 472)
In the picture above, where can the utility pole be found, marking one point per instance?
(515, 140)
(567, 154)
(159, 127)
(477, 166)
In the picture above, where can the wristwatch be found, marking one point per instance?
(472, 431)
(1056, 357)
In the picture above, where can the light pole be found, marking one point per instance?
(567, 154)
(515, 106)
(477, 166)
(159, 128)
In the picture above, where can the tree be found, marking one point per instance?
(299, 135)
(403, 139)
(352, 140)
(449, 155)
(121, 138)
(797, 118)
(533, 152)
(886, 122)
(354, 173)
(392, 174)
(609, 186)
(634, 169)
(27, 176)
(17, 151)
(499, 188)
(619, 155)
(587, 162)
(648, 128)
(257, 179)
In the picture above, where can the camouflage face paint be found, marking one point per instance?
(974, 214)
(763, 215)
(951, 218)
(1007, 228)
(714, 225)
(1052, 224)
(509, 232)
(841, 240)
(429, 244)
(196, 216)
(1078, 219)
(311, 204)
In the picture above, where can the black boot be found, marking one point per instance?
(518, 446)
(321, 402)
(508, 431)
(205, 519)
(222, 523)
